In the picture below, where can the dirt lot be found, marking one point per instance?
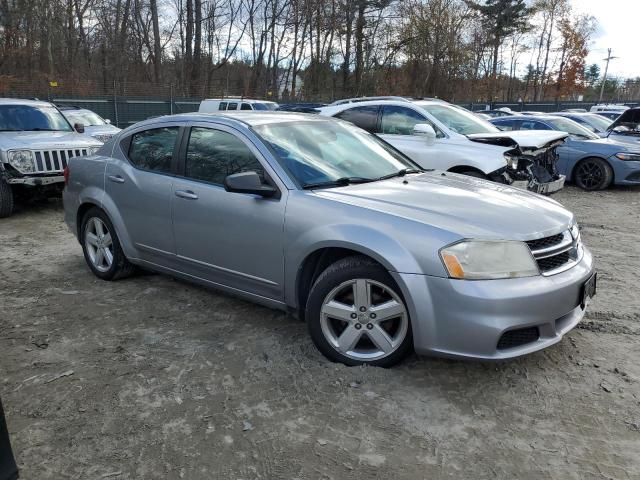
(152, 378)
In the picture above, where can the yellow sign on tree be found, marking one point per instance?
(53, 84)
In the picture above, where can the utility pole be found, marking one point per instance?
(606, 69)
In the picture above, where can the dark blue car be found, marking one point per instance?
(591, 162)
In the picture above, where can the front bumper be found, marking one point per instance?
(542, 188)
(461, 318)
(35, 181)
(625, 172)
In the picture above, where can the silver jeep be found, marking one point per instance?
(36, 142)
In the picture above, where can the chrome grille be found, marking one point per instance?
(556, 253)
(54, 161)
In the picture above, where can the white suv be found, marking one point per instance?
(436, 134)
(36, 143)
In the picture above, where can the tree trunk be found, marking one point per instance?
(157, 47)
(360, 24)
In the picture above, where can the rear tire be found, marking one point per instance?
(6, 199)
(593, 174)
(101, 247)
(356, 314)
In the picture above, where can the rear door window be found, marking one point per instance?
(223, 106)
(245, 106)
(232, 106)
(153, 149)
(365, 117)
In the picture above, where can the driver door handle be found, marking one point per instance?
(116, 178)
(188, 194)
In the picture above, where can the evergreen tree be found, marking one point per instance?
(502, 19)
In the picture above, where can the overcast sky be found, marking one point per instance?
(618, 28)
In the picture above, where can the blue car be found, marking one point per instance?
(591, 121)
(591, 162)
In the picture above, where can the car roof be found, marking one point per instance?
(237, 99)
(252, 118)
(74, 109)
(22, 101)
(525, 117)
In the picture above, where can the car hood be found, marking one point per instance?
(525, 139)
(468, 207)
(101, 130)
(42, 140)
(609, 145)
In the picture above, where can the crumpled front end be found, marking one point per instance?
(535, 170)
(532, 159)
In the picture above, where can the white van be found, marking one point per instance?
(228, 104)
(609, 108)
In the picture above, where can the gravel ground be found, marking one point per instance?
(151, 378)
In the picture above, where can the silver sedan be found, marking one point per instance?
(320, 218)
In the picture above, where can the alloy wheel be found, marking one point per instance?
(591, 174)
(364, 319)
(99, 244)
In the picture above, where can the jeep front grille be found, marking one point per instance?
(556, 253)
(54, 161)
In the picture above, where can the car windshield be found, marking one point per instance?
(87, 118)
(265, 106)
(319, 152)
(458, 119)
(571, 127)
(600, 123)
(16, 118)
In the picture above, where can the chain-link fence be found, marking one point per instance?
(131, 102)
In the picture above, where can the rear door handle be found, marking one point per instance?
(188, 194)
(116, 178)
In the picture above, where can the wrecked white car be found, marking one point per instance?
(436, 134)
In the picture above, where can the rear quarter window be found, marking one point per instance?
(153, 149)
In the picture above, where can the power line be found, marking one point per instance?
(606, 69)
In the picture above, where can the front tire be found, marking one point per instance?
(6, 199)
(356, 314)
(593, 174)
(101, 247)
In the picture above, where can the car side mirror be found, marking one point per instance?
(248, 182)
(78, 127)
(620, 129)
(425, 130)
(107, 121)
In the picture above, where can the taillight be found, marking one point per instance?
(66, 175)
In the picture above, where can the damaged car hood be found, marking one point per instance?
(525, 139)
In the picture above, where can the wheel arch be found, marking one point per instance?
(108, 207)
(588, 157)
(317, 262)
(466, 168)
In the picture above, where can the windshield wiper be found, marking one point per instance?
(400, 173)
(47, 130)
(340, 182)
(10, 130)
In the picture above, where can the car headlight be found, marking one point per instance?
(628, 156)
(22, 160)
(512, 162)
(92, 150)
(488, 260)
